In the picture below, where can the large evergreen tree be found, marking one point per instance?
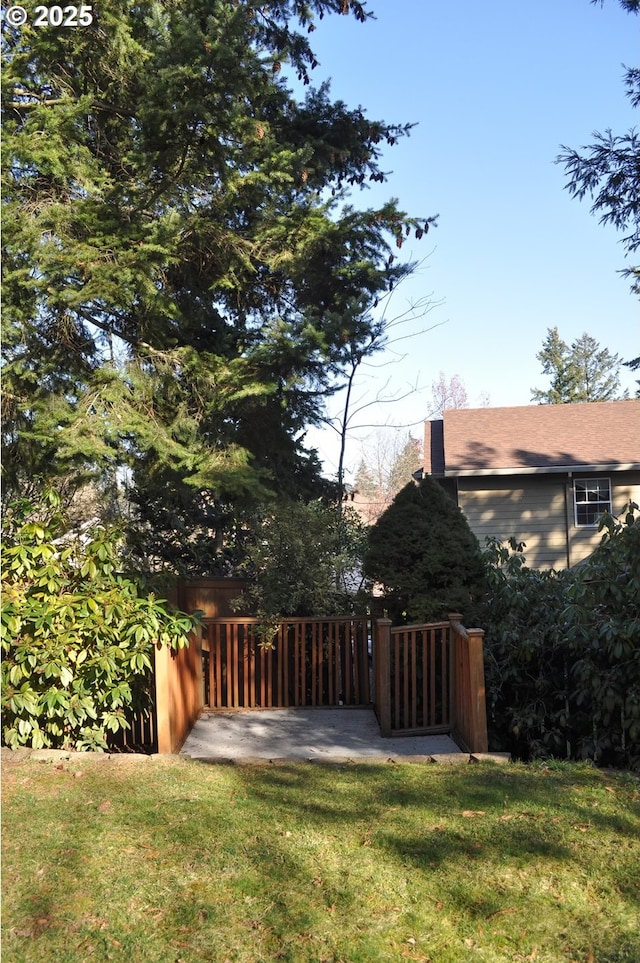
(580, 372)
(184, 277)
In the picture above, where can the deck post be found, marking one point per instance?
(469, 696)
(163, 699)
(478, 707)
(382, 668)
(178, 691)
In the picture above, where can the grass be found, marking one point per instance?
(172, 861)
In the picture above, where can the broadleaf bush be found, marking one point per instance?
(562, 651)
(303, 559)
(77, 635)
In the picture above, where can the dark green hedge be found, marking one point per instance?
(562, 652)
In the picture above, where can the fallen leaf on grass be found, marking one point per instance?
(437, 902)
(470, 813)
(503, 912)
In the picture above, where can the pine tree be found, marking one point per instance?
(182, 268)
(582, 372)
(556, 364)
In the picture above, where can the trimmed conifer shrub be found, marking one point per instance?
(424, 555)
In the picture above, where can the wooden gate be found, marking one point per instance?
(430, 679)
(420, 678)
(308, 662)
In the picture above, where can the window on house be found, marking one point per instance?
(592, 498)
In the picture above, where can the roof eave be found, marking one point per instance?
(540, 470)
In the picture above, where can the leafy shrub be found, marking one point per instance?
(562, 651)
(425, 556)
(77, 636)
(304, 560)
(603, 629)
(526, 658)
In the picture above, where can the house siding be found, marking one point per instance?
(529, 510)
(539, 511)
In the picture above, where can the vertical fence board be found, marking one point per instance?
(270, 656)
(414, 679)
(405, 710)
(264, 691)
(431, 699)
(314, 663)
(330, 664)
(235, 664)
(216, 665)
(351, 642)
(247, 656)
(320, 687)
(426, 649)
(339, 666)
(300, 666)
(284, 691)
(445, 653)
(255, 649)
(396, 671)
(347, 675)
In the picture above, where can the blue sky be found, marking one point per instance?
(495, 88)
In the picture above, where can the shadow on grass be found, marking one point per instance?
(307, 862)
(367, 791)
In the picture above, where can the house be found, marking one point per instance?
(543, 474)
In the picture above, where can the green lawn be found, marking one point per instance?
(171, 860)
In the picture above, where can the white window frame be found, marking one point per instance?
(604, 504)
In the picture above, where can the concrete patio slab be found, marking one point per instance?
(318, 735)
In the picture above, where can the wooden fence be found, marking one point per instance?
(420, 679)
(430, 679)
(308, 662)
(142, 734)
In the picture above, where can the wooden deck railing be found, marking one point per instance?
(426, 678)
(310, 662)
(430, 679)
